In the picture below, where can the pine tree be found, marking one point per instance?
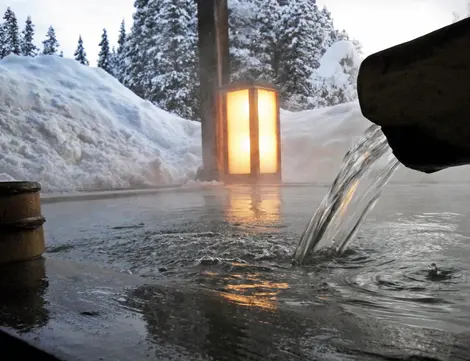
(114, 61)
(173, 86)
(50, 45)
(80, 53)
(194, 85)
(329, 35)
(11, 34)
(104, 56)
(27, 42)
(243, 33)
(299, 43)
(122, 37)
(2, 41)
(61, 54)
(267, 37)
(119, 57)
(140, 50)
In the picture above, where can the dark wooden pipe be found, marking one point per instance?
(419, 93)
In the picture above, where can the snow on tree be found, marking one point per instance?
(138, 45)
(276, 41)
(11, 35)
(2, 41)
(267, 39)
(243, 33)
(27, 41)
(328, 32)
(335, 80)
(80, 53)
(50, 45)
(172, 87)
(104, 56)
(298, 45)
(122, 36)
(119, 56)
(114, 62)
(194, 98)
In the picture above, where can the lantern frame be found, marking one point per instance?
(254, 176)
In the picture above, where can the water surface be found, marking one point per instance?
(240, 241)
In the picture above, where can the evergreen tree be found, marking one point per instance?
(11, 35)
(194, 85)
(80, 53)
(244, 64)
(119, 57)
(114, 62)
(27, 45)
(329, 33)
(299, 44)
(104, 56)
(50, 45)
(137, 48)
(174, 83)
(61, 54)
(2, 41)
(267, 38)
(277, 41)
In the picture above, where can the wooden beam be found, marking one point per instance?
(213, 72)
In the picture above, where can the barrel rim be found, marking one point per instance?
(19, 187)
(29, 223)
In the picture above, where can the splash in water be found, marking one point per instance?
(350, 198)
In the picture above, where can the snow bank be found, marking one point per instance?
(76, 128)
(73, 128)
(315, 141)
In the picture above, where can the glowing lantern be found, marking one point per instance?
(249, 149)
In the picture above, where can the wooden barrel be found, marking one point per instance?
(21, 232)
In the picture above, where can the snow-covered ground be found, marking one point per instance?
(76, 128)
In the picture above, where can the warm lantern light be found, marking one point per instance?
(249, 140)
(253, 206)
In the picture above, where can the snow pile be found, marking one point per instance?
(314, 142)
(75, 128)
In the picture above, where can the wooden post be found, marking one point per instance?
(213, 72)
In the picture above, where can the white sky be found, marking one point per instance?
(378, 24)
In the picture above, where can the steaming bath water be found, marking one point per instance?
(407, 269)
(366, 169)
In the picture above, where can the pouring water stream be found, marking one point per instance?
(335, 222)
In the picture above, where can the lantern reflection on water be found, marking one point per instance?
(253, 206)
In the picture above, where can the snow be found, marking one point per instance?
(337, 73)
(75, 128)
(330, 62)
(314, 142)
